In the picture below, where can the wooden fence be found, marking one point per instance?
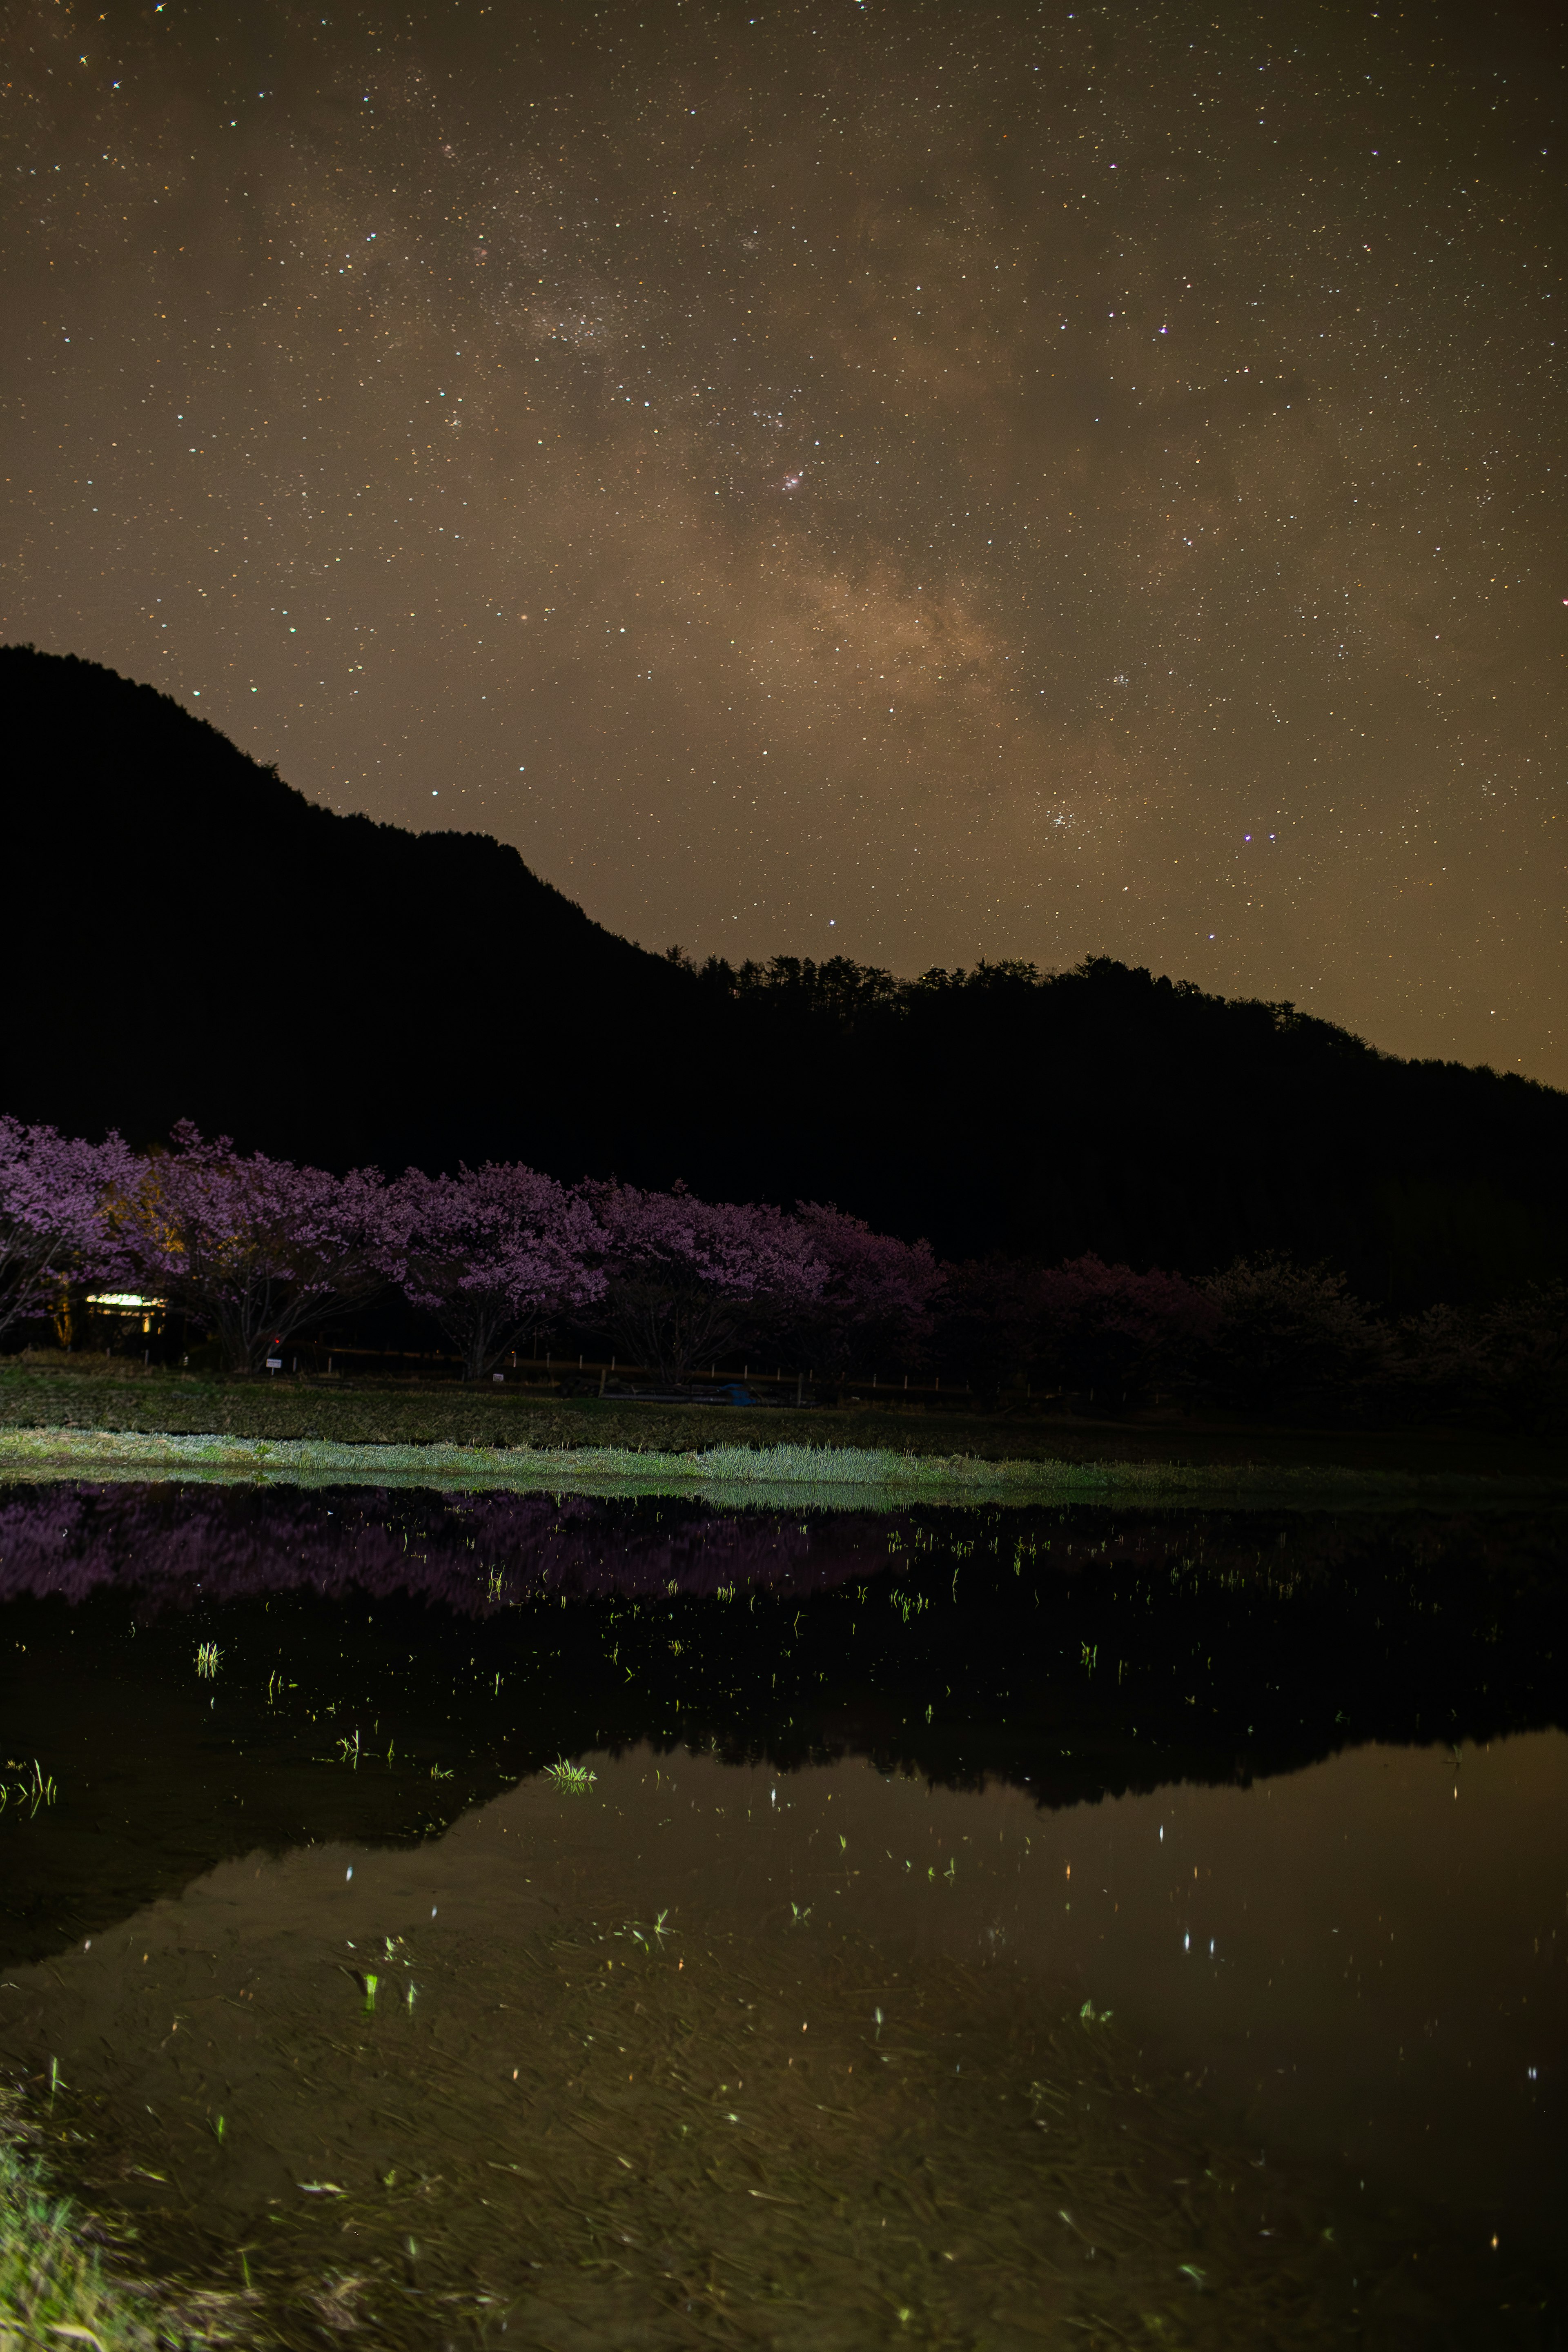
(546, 1370)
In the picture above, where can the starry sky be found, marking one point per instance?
(919, 481)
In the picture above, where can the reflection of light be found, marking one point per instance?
(122, 1298)
(792, 481)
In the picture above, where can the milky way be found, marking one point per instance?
(913, 481)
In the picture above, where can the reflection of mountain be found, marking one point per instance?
(464, 1640)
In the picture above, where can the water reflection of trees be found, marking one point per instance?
(1077, 1654)
(474, 1555)
(471, 1554)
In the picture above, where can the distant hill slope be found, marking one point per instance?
(199, 940)
(188, 936)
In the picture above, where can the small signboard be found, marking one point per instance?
(275, 1363)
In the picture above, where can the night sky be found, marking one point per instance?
(918, 482)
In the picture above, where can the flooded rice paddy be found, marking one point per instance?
(436, 1919)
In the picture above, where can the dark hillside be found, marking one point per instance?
(196, 939)
(1106, 1110)
(190, 937)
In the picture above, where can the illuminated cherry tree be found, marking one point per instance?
(489, 1253)
(53, 1226)
(253, 1249)
(878, 1293)
(686, 1281)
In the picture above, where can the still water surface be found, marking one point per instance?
(964, 1990)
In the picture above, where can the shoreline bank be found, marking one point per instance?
(75, 1417)
(867, 1477)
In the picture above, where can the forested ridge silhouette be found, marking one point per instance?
(195, 938)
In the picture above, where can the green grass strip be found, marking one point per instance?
(761, 1476)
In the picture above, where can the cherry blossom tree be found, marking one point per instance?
(255, 1249)
(876, 1303)
(1527, 1356)
(488, 1252)
(990, 1323)
(1506, 1362)
(1289, 1336)
(686, 1280)
(1102, 1331)
(52, 1225)
(1115, 1334)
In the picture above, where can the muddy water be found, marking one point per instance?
(810, 2048)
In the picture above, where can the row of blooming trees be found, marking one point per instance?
(1266, 1338)
(256, 1250)
(54, 1191)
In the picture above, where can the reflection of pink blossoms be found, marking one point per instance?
(686, 1280)
(488, 1251)
(256, 1248)
(179, 1546)
(52, 1223)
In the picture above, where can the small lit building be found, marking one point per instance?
(128, 1305)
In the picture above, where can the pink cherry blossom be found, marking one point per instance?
(53, 1227)
(255, 1248)
(488, 1252)
(688, 1280)
(876, 1303)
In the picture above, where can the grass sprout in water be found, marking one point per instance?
(572, 1779)
(31, 1791)
(207, 1660)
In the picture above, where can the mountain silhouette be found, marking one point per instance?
(190, 937)
(201, 940)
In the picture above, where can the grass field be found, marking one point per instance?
(93, 1416)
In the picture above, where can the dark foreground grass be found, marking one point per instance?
(100, 1393)
(61, 2282)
